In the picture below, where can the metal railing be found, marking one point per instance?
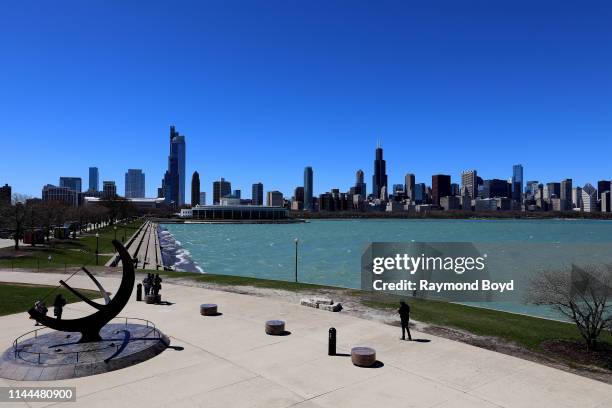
(17, 352)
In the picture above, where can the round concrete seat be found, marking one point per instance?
(208, 309)
(363, 356)
(275, 327)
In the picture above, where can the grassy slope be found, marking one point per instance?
(20, 297)
(70, 252)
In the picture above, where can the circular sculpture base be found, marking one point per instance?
(58, 355)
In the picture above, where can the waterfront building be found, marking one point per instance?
(450, 202)
(440, 187)
(139, 203)
(466, 200)
(495, 188)
(202, 198)
(409, 186)
(420, 196)
(605, 201)
(565, 194)
(469, 181)
(577, 197)
(394, 206)
(221, 188)
(589, 198)
(485, 204)
(5, 195)
(517, 182)
(257, 194)
(531, 188)
(195, 189)
(134, 183)
(237, 212)
(237, 194)
(554, 190)
(602, 187)
(73, 183)
(230, 200)
(379, 178)
(109, 190)
(298, 195)
(64, 195)
(94, 179)
(274, 199)
(308, 192)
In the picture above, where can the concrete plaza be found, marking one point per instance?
(228, 361)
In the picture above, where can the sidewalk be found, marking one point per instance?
(228, 361)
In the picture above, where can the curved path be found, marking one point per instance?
(229, 361)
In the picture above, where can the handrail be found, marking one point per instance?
(17, 352)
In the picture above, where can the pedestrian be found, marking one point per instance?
(404, 312)
(41, 308)
(58, 306)
(146, 282)
(157, 285)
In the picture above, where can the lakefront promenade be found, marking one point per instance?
(228, 360)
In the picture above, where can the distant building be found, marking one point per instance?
(440, 187)
(360, 185)
(238, 212)
(602, 187)
(195, 189)
(221, 188)
(409, 186)
(186, 213)
(566, 195)
(577, 197)
(237, 194)
(64, 195)
(173, 184)
(308, 192)
(496, 188)
(73, 183)
(140, 203)
(298, 195)
(257, 194)
(517, 182)
(134, 183)
(274, 199)
(531, 189)
(450, 203)
(379, 178)
(469, 181)
(589, 198)
(202, 198)
(94, 179)
(605, 201)
(485, 204)
(109, 190)
(554, 190)
(420, 195)
(5, 195)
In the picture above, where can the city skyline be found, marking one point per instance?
(287, 82)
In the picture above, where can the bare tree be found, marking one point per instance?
(14, 217)
(582, 294)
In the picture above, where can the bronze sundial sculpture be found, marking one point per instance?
(90, 325)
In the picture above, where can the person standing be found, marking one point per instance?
(41, 308)
(157, 285)
(146, 282)
(58, 306)
(404, 312)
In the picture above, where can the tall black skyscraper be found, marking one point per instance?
(257, 194)
(195, 189)
(173, 184)
(379, 179)
(440, 187)
(308, 188)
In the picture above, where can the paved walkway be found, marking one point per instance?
(144, 245)
(228, 361)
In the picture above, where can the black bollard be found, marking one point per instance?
(139, 292)
(331, 348)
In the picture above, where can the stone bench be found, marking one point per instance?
(334, 307)
(275, 327)
(208, 309)
(321, 303)
(363, 356)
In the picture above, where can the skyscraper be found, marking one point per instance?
(308, 188)
(360, 185)
(589, 198)
(469, 181)
(440, 187)
(257, 194)
(517, 182)
(94, 179)
(195, 189)
(134, 183)
(221, 189)
(379, 178)
(566, 195)
(174, 179)
(109, 190)
(602, 187)
(275, 199)
(409, 186)
(73, 183)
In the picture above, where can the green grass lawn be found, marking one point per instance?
(18, 298)
(69, 252)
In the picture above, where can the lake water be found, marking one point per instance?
(329, 251)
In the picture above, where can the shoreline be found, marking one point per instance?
(174, 256)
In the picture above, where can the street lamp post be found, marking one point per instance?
(124, 227)
(97, 246)
(296, 259)
(115, 228)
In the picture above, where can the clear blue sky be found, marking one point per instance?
(263, 88)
